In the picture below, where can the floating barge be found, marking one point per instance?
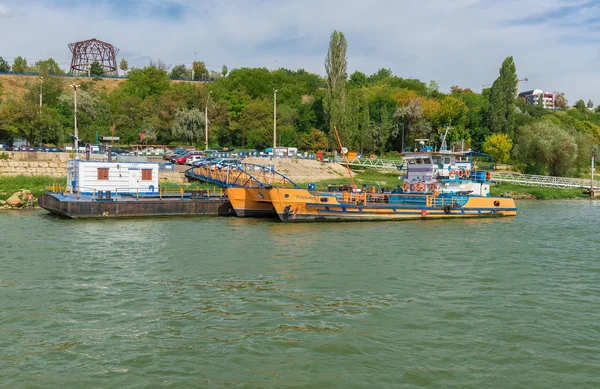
(121, 189)
(128, 205)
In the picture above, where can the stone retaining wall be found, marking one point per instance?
(34, 168)
(55, 165)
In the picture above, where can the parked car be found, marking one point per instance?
(203, 161)
(173, 157)
(193, 158)
(226, 163)
(175, 151)
(52, 150)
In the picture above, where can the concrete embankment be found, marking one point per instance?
(34, 164)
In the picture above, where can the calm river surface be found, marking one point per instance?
(226, 302)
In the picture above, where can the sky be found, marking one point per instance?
(454, 42)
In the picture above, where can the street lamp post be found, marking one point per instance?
(76, 135)
(274, 121)
(206, 121)
(41, 83)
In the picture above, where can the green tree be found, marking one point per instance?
(257, 116)
(590, 104)
(25, 120)
(560, 101)
(313, 141)
(499, 147)
(149, 81)
(357, 80)
(380, 75)
(336, 65)
(96, 69)
(433, 88)
(124, 65)
(188, 125)
(200, 71)
(48, 66)
(545, 148)
(4, 66)
(410, 121)
(224, 70)
(541, 100)
(580, 106)
(19, 65)
(502, 98)
(178, 71)
(53, 87)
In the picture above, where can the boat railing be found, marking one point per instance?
(358, 198)
(170, 191)
(241, 176)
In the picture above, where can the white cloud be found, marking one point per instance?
(4, 11)
(459, 42)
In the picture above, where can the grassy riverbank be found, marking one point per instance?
(35, 184)
(535, 192)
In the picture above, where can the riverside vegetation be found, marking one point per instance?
(373, 112)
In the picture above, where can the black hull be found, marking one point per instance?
(82, 209)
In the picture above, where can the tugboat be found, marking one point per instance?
(437, 185)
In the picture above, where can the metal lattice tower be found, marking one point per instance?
(86, 52)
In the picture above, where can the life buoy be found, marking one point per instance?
(418, 187)
(412, 188)
(488, 176)
(424, 187)
(405, 187)
(452, 174)
(468, 173)
(433, 187)
(461, 174)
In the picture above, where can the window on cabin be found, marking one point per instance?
(411, 161)
(437, 159)
(427, 161)
(447, 161)
(146, 174)
(102, 173)
(419, 161)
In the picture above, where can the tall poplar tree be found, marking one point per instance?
(336, 65)
(502, 98)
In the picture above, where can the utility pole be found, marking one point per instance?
(206, 121)
(41, 83)
(75, 119)
(402, 150)
(274, 121)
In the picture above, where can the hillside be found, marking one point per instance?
(15, 86)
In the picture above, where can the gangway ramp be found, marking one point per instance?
(543, 181)
(245, 175)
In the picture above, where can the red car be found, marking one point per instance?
(182, 160)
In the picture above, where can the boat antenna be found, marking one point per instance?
(337, 136)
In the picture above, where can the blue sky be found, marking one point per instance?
(554, 42)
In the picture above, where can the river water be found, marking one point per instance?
(227, 302)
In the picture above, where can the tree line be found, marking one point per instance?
(376, 113)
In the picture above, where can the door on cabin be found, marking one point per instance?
(134, 179)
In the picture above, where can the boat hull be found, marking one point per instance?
(297, 205)
(84, 207)
(251, 202)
